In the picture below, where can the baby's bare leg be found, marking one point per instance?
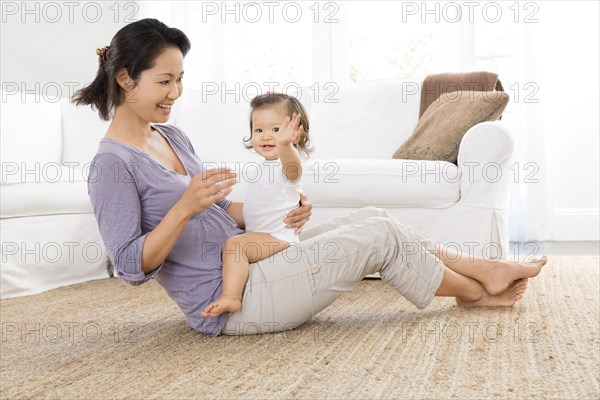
(238, 253)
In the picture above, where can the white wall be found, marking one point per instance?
(50, 47)
(568, 67)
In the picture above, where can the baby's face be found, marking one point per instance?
(266, 121)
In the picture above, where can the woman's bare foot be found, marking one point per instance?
(221, 305)
(503, 273)
(508, 298)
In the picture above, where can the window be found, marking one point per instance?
(381, 46)
(263, 51)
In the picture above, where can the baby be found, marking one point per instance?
(278, 131)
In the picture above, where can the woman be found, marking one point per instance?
(161, 215)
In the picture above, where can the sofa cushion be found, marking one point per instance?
(31, 134)
(216, 128)
(82, 130)
(381, 183)
(363, 121)
(65, 195)
(438, 133)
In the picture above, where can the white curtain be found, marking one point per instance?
(532, 208)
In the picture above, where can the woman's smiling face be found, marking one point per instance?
(158, 88)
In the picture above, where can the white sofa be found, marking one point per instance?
(49, 233)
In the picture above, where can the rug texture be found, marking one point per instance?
(104, 339)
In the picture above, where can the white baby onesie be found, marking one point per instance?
(269, 198)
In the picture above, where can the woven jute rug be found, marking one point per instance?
(105, 339)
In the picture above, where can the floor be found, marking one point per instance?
(587, 248)
(371, 343)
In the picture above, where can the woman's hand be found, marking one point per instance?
(205, 189)
(299, 216)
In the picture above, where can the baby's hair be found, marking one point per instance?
(292, 106)
(134, 47)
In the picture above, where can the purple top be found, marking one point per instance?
(131, 193)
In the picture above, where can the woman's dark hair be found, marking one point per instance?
(135, 47)
(292, 105)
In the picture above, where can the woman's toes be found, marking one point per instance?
(539, 261)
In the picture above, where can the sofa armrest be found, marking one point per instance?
(483, 158)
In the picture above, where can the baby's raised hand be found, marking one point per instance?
(290, 131)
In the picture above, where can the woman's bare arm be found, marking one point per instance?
(162, 239)
(204, 190)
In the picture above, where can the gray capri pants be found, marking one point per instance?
(285, 290)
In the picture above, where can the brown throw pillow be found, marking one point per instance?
(442, 126)
(434, 85)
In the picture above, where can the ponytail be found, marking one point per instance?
(96, 94)
(135, 47)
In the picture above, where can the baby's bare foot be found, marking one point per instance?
(507, 298)
(221, 305)
(503, 273)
